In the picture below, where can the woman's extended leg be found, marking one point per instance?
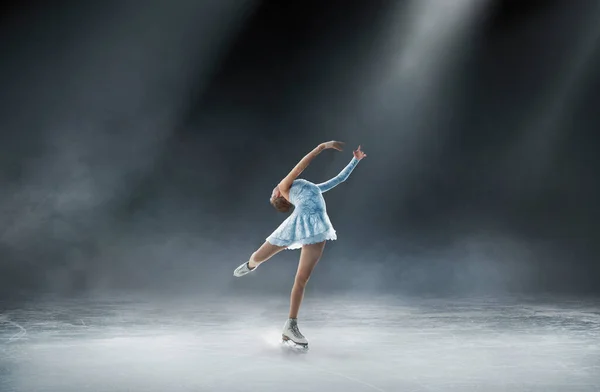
(264, 253)
(309, 257)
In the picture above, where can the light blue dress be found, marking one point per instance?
(309, 223)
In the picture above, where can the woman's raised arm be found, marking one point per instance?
(343, 175)
(286, 183)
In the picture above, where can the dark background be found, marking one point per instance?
(139, 144)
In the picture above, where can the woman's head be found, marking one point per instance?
(279, 202)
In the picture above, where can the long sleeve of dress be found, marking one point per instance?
(327, 185)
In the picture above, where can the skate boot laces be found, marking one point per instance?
(296, 331)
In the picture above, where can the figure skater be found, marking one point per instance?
(308, 227)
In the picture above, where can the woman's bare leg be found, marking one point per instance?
(264, 253)
(309, 257)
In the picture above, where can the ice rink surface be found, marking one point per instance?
(356, 344)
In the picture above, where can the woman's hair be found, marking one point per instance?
(281, 204)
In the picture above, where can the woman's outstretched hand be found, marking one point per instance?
(358, 154)
(335, 145)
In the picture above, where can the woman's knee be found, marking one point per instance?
(266, 251)
(302, 279)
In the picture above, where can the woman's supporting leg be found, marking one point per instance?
(309, 257)
(264, 253)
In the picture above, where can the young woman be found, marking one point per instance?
(308, 227)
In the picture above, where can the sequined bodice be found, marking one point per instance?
(307, 197)
(308, 223)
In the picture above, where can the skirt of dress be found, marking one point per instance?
(303, 229)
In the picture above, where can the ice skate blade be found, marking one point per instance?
(289, 345)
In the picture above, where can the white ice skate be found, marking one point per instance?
(243, 270)
(292, 337)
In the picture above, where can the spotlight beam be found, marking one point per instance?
(407, 90)
(542, 133)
